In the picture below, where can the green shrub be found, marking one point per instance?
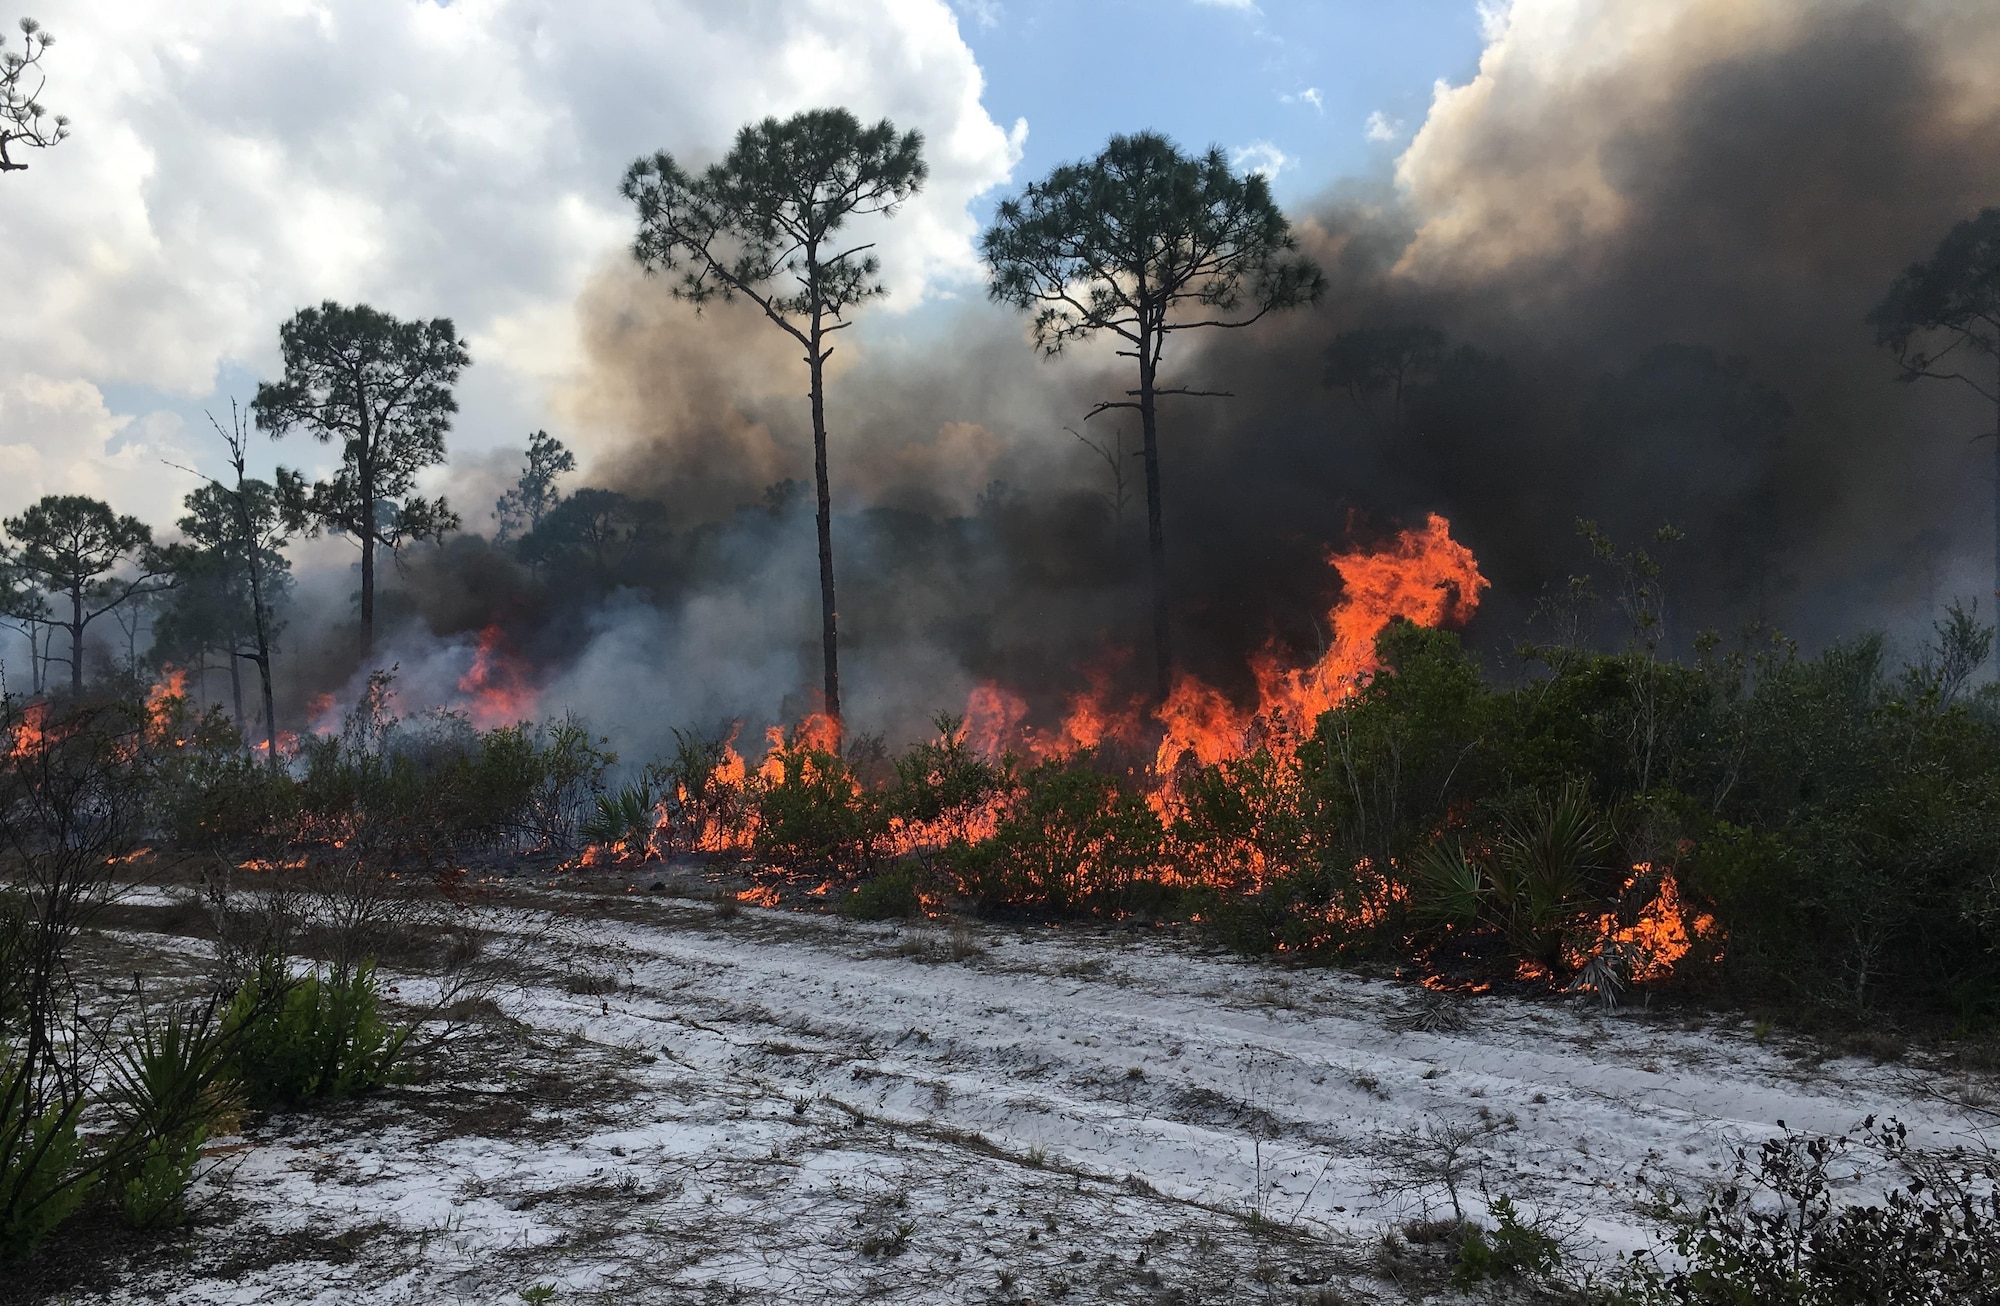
(623, 820)
(169, 1087)
(1324, 912)
(816, 815)
(1068, 836)
(892, 895)
(1512, 1249)
(41, 1164)
(942, 785)
(704, 803)
(154, 1196)
(300, 1038)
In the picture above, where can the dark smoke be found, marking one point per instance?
(1651, 255)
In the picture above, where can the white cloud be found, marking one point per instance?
(1242, 6)
(1310, 95)
(1260, 157)
(1381, 127)
(233, 160)
(57, 436)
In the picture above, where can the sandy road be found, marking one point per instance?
(683, 1107)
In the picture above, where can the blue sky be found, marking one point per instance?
(1302, 75)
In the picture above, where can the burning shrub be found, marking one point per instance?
(1326, 911)
(1243, 821)
(944, 791)
(624, 822)
(813, 813)
(702, 792)
(1387, 768)
(1068, 836)
(77, 790)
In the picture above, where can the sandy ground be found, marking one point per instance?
(665, 1103)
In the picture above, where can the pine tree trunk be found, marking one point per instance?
(829, 622)
(236, 693)
(1156, 538)
(263, 657)
(76, 641)
(364, 475)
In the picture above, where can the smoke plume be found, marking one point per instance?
(1650, 235)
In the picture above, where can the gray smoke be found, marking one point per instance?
(1651, 234)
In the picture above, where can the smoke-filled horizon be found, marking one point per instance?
(1649, 237)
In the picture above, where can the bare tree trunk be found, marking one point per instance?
(828, 611)
(1156, 538)
(1996, 496)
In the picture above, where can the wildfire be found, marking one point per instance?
(496, 691)
(288, 744)
(1660, 936)
(993, 717)
(1422, 575)
(165, 703)
(30, 733)
(324, 714)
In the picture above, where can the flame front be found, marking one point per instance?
(1421, 575)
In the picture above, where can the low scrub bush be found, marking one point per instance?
(815, 815)
(170, 1089)
(42, 1176)
(1512, 1249)
(311, 1036)
(892, 895)
(1777, 1234)
(1068, 836)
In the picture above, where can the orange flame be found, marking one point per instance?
(1654, 942)
(993, 717)
(1423, 575)
(165, 704)
(30, 734)
(323, 714)
(497, 692)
